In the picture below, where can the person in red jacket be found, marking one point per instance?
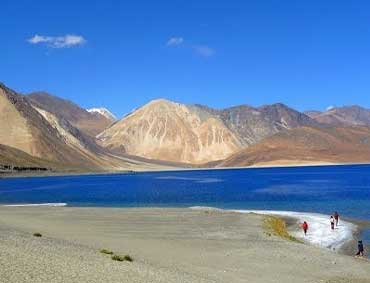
(305, 227)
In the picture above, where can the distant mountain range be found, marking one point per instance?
(42, 129)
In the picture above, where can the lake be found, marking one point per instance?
(321, 189)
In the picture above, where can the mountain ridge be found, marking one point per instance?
(167, 132)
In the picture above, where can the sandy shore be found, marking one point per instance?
(168, 245)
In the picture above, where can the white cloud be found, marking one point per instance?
(174, 41)
(204, 50)
(65, 41)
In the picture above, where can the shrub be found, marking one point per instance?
(37, 234)
(122, 258)
(107, 252)
(118, 258)
(128, 258)
(277, 227)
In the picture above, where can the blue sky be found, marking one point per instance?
(121, 54)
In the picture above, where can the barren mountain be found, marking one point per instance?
(253, 124)
(43, 135)
(91, 123)
(306, 145)
(170, 131)
(342, 116)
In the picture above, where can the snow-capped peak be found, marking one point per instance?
(102, 111)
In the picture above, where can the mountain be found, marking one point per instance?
(342, 116)
(253, 124)
(306, 145)
(49, 139)
(104, 112)
(171, 131)
(24, 128)
(90, 123)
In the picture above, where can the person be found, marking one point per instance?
(305, 227)
(336, 217)
(332, 221)
(360, 246)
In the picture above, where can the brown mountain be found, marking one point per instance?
(254, 124)
(306, 145)
(171, 131)
(342, 116)
(91, 123)
(43, 135)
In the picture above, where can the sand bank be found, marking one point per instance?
(168, 245)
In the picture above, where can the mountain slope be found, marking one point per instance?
(41, 134)
(91, 123)
(342, 116)
(253, 124)
(307, 145)
(16, 157)
(170, 131)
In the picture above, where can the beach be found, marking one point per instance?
(167, 245)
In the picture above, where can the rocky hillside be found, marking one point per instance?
(342, 116)
(16, 157)
(254, 124)
(166, 130)
(48, 136)
(90, 123)
(306, 145)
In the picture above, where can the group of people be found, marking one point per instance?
(334, 219)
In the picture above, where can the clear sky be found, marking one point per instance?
(121, 54)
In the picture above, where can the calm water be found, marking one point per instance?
(314, 189)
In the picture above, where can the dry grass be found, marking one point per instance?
(277, 227)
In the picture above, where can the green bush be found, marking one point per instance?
(37, 234)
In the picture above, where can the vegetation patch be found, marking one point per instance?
(277, 227)
(122, 258)
(128, 258)
(37, 235)
(105, 251)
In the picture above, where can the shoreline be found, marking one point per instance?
(167, 245)
(342, 239)
(175, 169)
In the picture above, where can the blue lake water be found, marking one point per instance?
(322, 189)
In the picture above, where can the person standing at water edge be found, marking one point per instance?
(332, 221)
(305, 227)
(360, 246)
(336, 217)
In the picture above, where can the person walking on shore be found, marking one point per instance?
(305, 227)
(336, 217)
(360, 247)
(332, 221)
